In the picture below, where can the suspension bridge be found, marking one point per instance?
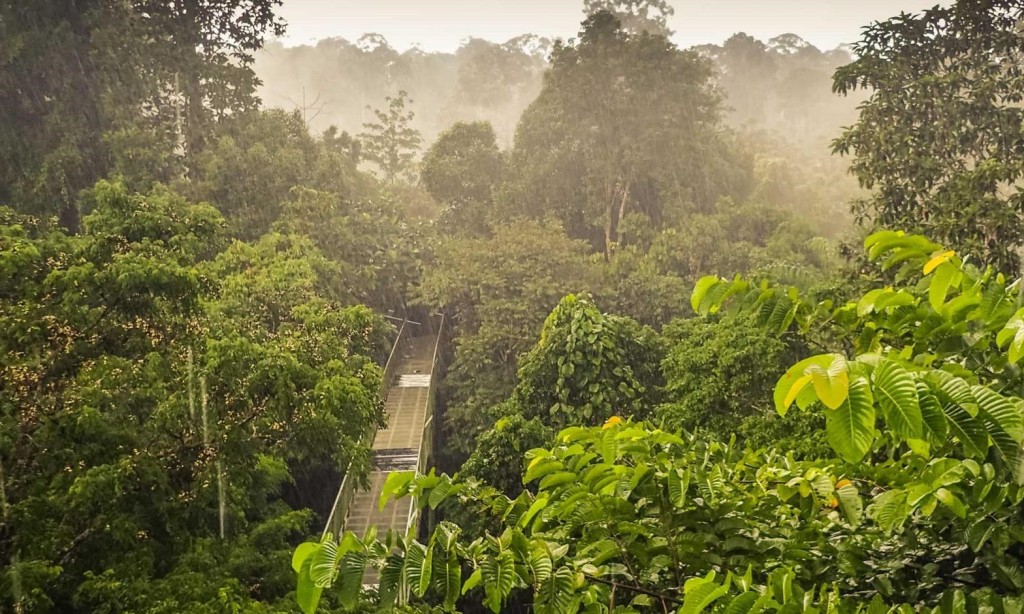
(404, 444)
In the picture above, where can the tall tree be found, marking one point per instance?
(624, 124)
(942, 137)
(91, 87)
(391, 142)
(253, 160)
(637, 16)
(461, 170)
(496, 82)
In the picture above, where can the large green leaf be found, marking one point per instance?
(880, 242)
(1003, 411)
(850, 429)
(866, 304)
(953, 602)
(417, 568)
(472, 581)
(350, 578)
(678, 484)
(390, 586)
(499, 576)
(850, 503)
(555, 594)
(938, 287)
(324, 563)
(933, 420)
(889, 510)
(452, 580)
(994, 298)
(307, 593)
(700, 291)
(967, 429)
(538, 504)
(303, 552)
(699, 593)
(781, 315)
(750, 602)
(1004, 424)
(396, 483)
(896, 392)
(954, 389)
(540, 565)
(951, 501)
(1012, 334)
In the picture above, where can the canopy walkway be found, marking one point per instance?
(404, 444)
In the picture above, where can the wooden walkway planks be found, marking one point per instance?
(406, 408)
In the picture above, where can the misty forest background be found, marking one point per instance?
(730, 328)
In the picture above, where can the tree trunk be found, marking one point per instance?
(609, 212)
(611, 223)
(622, 208)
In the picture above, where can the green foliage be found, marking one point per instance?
(255, 159)
(91, 89)
(390, 142)
(629, 515)
(497, 293)
(376, 254)
(588, 366)
(461, 170)
(140, 366)
(498, 457)
(738, 239)
(924, 491)
(940, 126)
(719, 376)
(625, 123)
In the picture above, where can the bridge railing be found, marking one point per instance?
(427, 434)
(346, 492)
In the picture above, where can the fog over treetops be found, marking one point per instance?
(781, 85)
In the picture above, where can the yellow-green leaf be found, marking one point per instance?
(832, 383)
(795, 389)
(936, 260)
(302, 552)
(794, 373)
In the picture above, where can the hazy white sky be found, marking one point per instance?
(440, 25)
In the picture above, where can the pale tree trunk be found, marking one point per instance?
(622, 208)
(609, 213)
(611, 223)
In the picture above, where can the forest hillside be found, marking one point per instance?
(598, 325)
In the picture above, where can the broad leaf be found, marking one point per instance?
(324, 563)
(794, 378)
(850, 503)
(302, 552)
(896, 392)
(831, 383)
(850, 429)
(499, 576)
(699, 593)
(307, 593)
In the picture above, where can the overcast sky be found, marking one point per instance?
(440, 25)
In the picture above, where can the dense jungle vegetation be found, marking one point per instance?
(734, 328)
